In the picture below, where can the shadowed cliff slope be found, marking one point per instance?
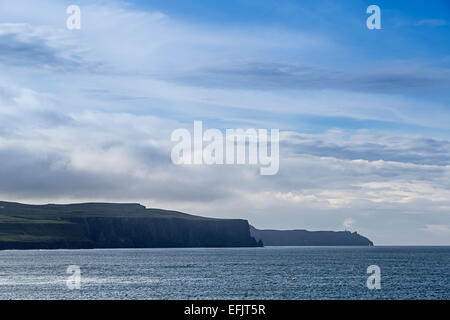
(309, 238)
(103, 225)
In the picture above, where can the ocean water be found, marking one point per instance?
(240, 273)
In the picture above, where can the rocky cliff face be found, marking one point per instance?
(309, 238)
(164, 232)
(114, 226)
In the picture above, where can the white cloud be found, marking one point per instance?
(432, 22)
(348, 223)
(437, 228)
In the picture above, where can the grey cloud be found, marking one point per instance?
(51, 174)
(13, 51)
(27, 46)
(416, 150)
(25, 174)
(267, 76)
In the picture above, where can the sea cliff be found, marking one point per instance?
(103, 225)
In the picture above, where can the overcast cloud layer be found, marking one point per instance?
(87, 115)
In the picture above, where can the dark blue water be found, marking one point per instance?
(254, 273)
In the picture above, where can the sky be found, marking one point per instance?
(87, 115)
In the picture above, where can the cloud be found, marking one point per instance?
(223, 72)
(369, 146)
(437, 228)
(348, 223)
(276, 76)
(432, 22)
(36, 47)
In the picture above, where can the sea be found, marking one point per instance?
(227, 273)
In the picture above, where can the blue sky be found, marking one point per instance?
(86, 115)
(414, 40)
(414, 29)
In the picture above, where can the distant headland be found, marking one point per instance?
(309, 238)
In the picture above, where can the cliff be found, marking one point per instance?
(309, 238)
(102, 225)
